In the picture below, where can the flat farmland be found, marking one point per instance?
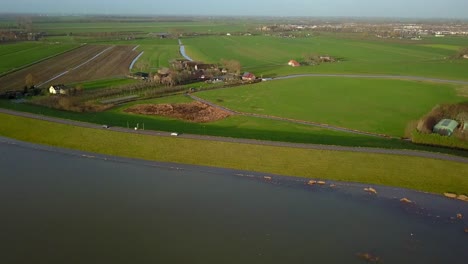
(268, 55)
(379, 106)
(85, 63)
(13, 56)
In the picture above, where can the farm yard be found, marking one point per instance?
(85, 63)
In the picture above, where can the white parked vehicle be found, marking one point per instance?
(174, 134)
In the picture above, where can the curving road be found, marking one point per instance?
(372, 76)
(401, 152)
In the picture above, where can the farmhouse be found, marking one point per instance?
(248, 76)
(445, 127)
(58, 89)
(465, 56)
(294, 63)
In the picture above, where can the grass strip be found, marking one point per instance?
(422, 174)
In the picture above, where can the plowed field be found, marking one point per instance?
(86, 63)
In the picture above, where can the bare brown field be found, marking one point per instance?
(86, 63)
(193, 112)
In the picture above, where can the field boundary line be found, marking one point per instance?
(39, 61)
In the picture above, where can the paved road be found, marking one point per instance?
(302, 122)
(372, 76)
(400, 152)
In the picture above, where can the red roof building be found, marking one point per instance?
(294, 63)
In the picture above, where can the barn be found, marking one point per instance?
(445, 127)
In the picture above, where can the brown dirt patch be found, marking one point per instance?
(113, 62)
(194, 112)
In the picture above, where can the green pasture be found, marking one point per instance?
(141, 27)
(234, 126)
(422, 174)
(380, 106)
(268, 55)
(157, 53)
(105, 83)
(13, 56)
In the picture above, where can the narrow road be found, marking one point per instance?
(295, 121)
(401, 152)
(373, 76)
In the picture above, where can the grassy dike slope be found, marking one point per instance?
(410, 172)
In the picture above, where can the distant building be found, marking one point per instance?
(465, 56)
(445, 127)
(294, 63)
(247, 76)
(58, 89)
(203, 66)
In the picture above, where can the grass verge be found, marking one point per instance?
(422, 174)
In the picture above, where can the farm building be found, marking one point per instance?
(58, 89)
(294, 63)
(248, 76)
(465, 56)
(445, 127)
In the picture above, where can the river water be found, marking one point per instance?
(61, 206)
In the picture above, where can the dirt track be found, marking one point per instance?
(82, 64)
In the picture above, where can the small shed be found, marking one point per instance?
(445, 127)
(294, 63)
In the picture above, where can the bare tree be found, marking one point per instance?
(232, 66)
(25, 23)
(30, 81)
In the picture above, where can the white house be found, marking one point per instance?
(58, 89)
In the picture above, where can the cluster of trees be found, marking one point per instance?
(462, 52)
(180, 73)
(316, 59)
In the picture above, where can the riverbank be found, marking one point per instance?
(424, 174)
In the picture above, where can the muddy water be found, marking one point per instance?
(61, 207)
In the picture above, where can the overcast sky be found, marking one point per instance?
(355, 8)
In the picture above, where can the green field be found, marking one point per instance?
(401, 171)
(157, 53)
(380, 106)
(141, 27)
(106, 83)
(235, 127)
(269, 56)
(13, 56)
